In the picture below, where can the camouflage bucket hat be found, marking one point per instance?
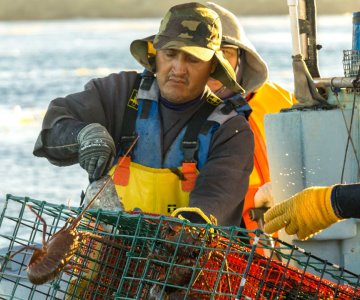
(194, 29)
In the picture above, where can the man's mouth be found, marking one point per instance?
(177, 80)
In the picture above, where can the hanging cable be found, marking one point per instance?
(348, 129)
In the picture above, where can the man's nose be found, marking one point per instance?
(179, 64)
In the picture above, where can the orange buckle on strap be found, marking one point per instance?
(190, 174)
(122, 172)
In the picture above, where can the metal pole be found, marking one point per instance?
(338, 82)
(294, 22)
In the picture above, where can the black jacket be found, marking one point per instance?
(223, 181)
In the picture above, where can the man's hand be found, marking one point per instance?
(304, 214)
(263, 196)
(96, 150)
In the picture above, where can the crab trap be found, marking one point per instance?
(140, 256)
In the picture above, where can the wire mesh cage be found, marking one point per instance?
(140, 256)
(351, 63)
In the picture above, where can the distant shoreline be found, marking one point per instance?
(68, 9)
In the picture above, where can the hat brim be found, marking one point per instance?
(139, 49)
(223, 71)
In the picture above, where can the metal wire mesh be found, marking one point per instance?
(351, 63)
(142, 256)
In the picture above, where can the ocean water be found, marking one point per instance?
(41, 60)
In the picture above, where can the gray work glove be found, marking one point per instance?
(96, 150)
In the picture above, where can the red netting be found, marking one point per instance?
(265, 278)
(225, 270)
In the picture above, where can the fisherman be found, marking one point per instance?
(192, 150)
(314, 209)
(263, 97)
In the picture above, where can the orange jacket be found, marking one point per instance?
(269, 98)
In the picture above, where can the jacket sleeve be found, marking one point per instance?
(223, 181)
(345, 200)
(59, 143)
(102, 101)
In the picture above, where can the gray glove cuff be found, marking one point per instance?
(95, 132)
(96, 150)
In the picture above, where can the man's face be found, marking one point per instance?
(231, 54)
(181, 76)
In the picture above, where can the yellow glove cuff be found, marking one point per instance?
(318, 205)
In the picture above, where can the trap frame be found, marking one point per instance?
(144, 256)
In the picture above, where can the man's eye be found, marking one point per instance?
(170, 53)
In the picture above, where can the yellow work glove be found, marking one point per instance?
(304, 214)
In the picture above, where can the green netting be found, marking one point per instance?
(139, 256)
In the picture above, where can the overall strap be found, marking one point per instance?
(237, 103)
(190, 141)
(128, 134)
(190, 144)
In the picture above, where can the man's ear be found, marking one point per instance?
(214, 64)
